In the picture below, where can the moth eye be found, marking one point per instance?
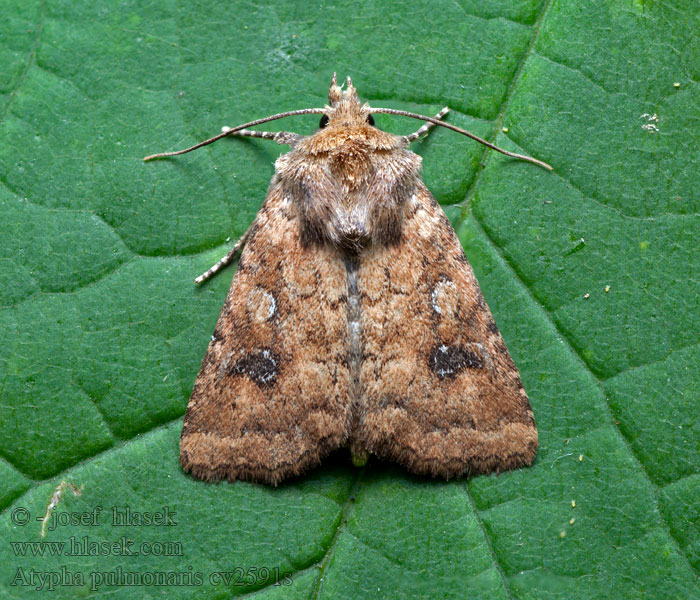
(323, 122)
(370, 120)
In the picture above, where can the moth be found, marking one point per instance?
(354, 318)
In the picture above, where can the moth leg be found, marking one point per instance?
(427, 127)
(281, 137)
(226, 260)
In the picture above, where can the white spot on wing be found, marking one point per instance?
(443, 297)
(273, 305)
(434, 298)
(261, 305)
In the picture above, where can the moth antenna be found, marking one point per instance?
(291, 113)
(404, 113)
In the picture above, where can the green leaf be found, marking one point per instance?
(591, 271)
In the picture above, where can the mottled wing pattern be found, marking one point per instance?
(440, 393)
(271, 398)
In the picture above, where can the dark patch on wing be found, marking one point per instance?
(261, 367)
(447, 361)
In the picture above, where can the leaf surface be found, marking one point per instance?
(591, 272)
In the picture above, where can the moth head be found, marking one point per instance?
(344, 106)
(351, 128)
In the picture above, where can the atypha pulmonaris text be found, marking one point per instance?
(353, 318)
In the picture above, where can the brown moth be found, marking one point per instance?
(353, 318)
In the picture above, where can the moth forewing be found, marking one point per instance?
(440, 392)
(270, 398)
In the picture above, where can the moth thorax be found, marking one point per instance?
(352, 169)
(363, 220)
(351, 164)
